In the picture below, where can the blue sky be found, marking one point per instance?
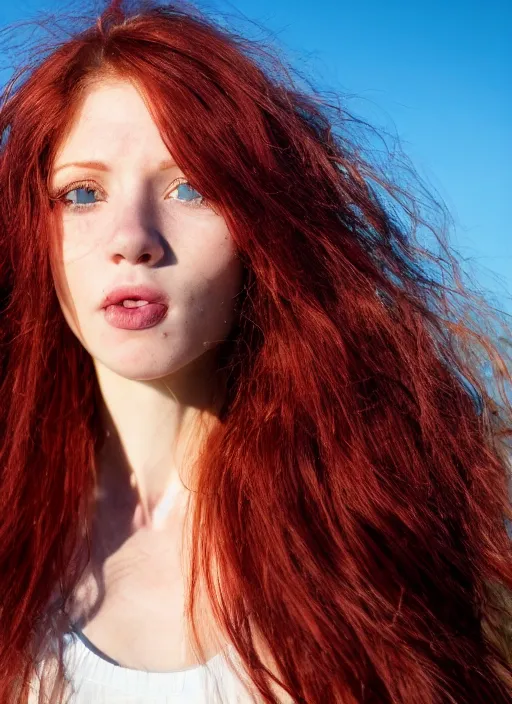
(437, 73)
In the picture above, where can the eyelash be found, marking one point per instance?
(81, 208)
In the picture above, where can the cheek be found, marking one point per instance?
(218, 279)
(74, 277)
(78, 280)
(81, 254)
(68, 294)
(210, 302)
(80, 245)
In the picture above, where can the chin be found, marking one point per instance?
(146, 362)
(141, 374)
(141, 369)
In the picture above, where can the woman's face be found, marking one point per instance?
(148, 273)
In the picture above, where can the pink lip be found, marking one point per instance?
(138, 318)
(134, 293)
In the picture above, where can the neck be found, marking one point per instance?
(153, 433)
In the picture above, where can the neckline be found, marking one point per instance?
(85, 665)
(90, 646)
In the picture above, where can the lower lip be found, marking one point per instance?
(135, 318)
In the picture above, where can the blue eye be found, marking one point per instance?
(185, 193)
(84, 196)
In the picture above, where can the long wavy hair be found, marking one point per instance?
(350, 517)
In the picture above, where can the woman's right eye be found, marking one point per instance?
(80, 197)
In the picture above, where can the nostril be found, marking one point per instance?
(144, 258)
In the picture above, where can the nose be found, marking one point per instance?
(134, 241)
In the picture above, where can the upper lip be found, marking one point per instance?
(134, 293)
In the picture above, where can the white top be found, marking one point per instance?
(94, 679)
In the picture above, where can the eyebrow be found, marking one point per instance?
(100, 166)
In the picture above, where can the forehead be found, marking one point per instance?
(113, 121)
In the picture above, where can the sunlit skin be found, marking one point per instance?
(126, 219)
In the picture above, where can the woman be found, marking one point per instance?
(248, 452)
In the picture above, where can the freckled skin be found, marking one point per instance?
(138, 234)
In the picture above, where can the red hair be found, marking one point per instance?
(351, 506)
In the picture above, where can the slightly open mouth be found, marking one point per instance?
(132, 303)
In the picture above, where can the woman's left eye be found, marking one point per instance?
(184, 193)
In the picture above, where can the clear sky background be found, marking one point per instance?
(437, 72)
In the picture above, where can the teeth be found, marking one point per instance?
(128, 303)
